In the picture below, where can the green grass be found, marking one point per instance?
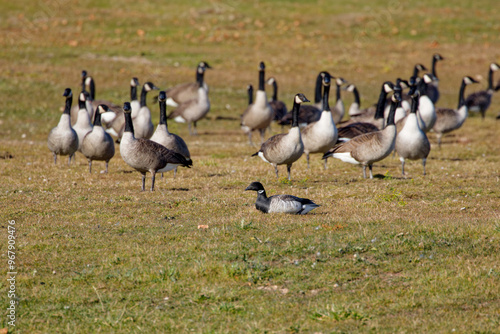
(393, 254)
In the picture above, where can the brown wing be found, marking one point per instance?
(163, 154)
(183, 92)
(352, 144)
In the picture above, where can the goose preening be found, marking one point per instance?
(63, 140)
(285, 148)
(188, 91)
(164, 137)
(280, 203)
(98, 144)
(370, 147)
(259, 114)
(447, 119)
(320, 136)
(481, 100)
(412, 142)
(279, 107)
(432, 90)
(83, 124)
(191, 111)
(143, 125)
(145, 155)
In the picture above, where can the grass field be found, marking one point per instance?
(392, 254)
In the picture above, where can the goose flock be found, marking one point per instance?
(398, 122)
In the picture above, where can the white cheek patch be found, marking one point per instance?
(387, 88)
(88, 81)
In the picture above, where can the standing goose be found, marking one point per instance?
(98, 144)
(250, 94)
(447, 119)
(355, 107)
(404, 106)
(145, 155)
(411, 141)
(117, 125)
(134, 103)
(63, 140)
(285, 148)
(143, 125)
(371, 147)
(185, 92)
(258, 115)
(432, 89)
(320, 136)
(279, 107)
(164, 137)
(83, 124)
(113, 108)
(280, 203)
(193, 110)
(338, 111)
(481, 100)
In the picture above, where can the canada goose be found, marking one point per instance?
(404, 106)
(280, 203)
(279, 107)
(371, 147)
(134, 103)
(98, 144)
(145, 155)
(63, 140)
(417, 68)
(320, 136)
(285, 148)
(375, 115)
(258, 115)
(432, 89)
(355, 107)
(411, 141)
(117, 125)
(113, 108)
(308, 113)
(338, 111)
(188, 91)
(250, 94)
(143, 125)
(83, 124)
(426, 113)
(164, 137)
(448, 120)
(481, 100)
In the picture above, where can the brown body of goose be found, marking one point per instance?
(188, 91)
(448, 119)
(371, 147)
(320, 136)
(62, 139)
(258, 115)
(145, 155)
(98, 144)
(279, 107)
(285, 149)
(164, 137)
(83, 124)
(412, 142)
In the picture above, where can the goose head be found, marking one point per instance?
(327, 79)
(340, 81)
(350, 88)
(420, 67)
(428, 78)
(204, 65)
(102, 108)
(299, 98)
(88, 80)
(388, 86)
(256, 186)
(149, 86)
(134, 82)
(67, 93)
(494, 67)
(270, 81)
(469, 80)
(403, 84)
(262, 66)
(437, 57)
(83, 96)
(127, 109)
(162, 96)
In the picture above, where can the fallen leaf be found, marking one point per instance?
(202, 226)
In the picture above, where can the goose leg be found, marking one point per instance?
(371, 174)
(107, 162)
(262, 133)
(175, 172)
(55, 159)
(250, 138)
(483, 112)
(143, 181)
(90, 166)
(403, 166)
(276, 170)
(153, 181)
(307, 157)
(162, 175)
(195, 130)
(364, 172)
(325, 163)
(439, 135)
(288, 168)
(69, 160)
(189, 129)
(424, 160)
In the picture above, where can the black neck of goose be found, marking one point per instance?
(262, 202)
(414, 104)
(338, 93)
(434, 62)
(461, 99)
(129, 126)
(422, 87)
(490, 79)
(97, 119)
(250, 96)
(199, 78)
(379, 113)
(392, 112)
(275, 91)
(83, 83)
(67, 107)
(326, 95)
(81, 104)
(92, 89)
(133, 93)
(295, 114)
(262, 76)
(356, 96)
(163, 112)
(415, 71)
(317, 89)
(144, 94)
